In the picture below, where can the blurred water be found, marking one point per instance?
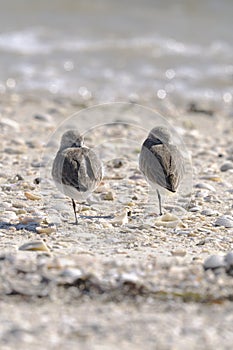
(110, 50)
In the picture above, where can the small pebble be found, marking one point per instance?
(230, 158)
(117, 163)
(226, 166)
(214, 262)
(37, 181)
(43, 117)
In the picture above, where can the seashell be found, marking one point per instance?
(105, 224)
(8, 215)
(229, 263)
(224, 221)
(209, 212)
(230, 158)
(214, 178)
(34, 246)
(71, 273)
(115, 177)
(121, 219)
(9, 123)
(101, 189)
(18, 150)
(178, 252)
(28, 219)
(18, 205)
(21, 211)
(168, 220)
(32, 196)
(131, 277)
(229, 259)
(183, 232)
(205, 186)
(214, 262)
(226, 166)
(5, 205)
(108, 196)
(195, 209)
(46, 229)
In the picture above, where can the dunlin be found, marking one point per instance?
(161, 162)
(77, 170)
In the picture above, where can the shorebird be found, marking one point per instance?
(161, 162)
(76, 170)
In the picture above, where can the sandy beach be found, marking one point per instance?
(124, 277)
(113, 281)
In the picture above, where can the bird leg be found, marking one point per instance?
(160, 205)
(75, 214)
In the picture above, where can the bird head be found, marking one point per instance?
(71, 138)
(160, 133)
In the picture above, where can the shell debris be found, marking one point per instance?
(121, 219)
(32, 196)
(108, 196)
(169, 220)
(29, 219)
(46, 229)
(225, 221)
(34, 246)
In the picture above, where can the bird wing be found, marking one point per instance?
(162, 164)
(77, 167)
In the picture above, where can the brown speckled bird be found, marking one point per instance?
(76, 170)
(161, 162)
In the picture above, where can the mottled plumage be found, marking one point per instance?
(161, 162)
(77, 170)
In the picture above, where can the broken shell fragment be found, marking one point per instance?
(34, 246)
(168, 220)
(108, 196)
(121, 219)
(224, 221)
(28, 219)
(47, 230)
(32, 196)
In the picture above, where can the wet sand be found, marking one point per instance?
(105, 284)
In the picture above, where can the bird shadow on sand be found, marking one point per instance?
(96, 216)
(28, 227)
